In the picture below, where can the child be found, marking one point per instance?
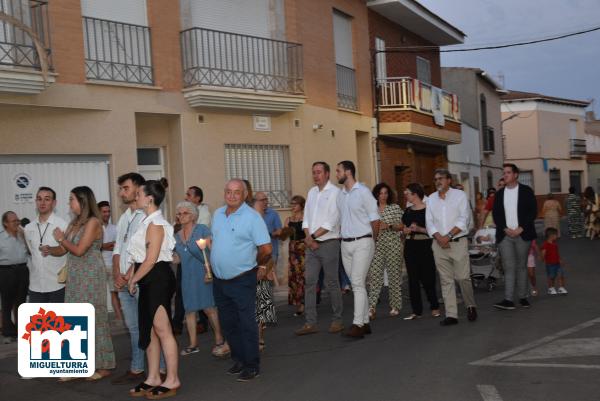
(552, 259)
(533, 251)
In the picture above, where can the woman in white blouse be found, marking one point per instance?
(151, 251)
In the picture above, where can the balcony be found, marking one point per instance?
(577, 148)
(21, 70)
(234, 71)
(117, 52)
(414, 110)
(346, 87)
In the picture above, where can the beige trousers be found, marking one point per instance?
(453, 265)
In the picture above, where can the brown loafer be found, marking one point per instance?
(355, 332)
(336, 327)
(129, 377)
(367, 328)
(307, 329)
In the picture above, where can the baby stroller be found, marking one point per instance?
(485, 259)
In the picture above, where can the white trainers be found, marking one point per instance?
(552, 291)
(563, 291)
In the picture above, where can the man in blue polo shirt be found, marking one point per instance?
(241, 246)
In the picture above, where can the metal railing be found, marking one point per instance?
(578, 147)
(406, 93)
(115, 51)
(346, 87)
(233, 60)
(16, 46)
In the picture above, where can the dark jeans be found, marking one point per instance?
(236, 301)
(420, 267)
(57, 296)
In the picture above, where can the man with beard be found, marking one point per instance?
(448, 216)
(359, 226)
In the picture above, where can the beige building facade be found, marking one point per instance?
(154, 87)
(545, 137)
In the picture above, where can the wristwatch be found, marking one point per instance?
(449, 235)
(313, 236)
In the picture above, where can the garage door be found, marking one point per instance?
(22, 177)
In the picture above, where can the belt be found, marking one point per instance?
(15, 265)
(418, 237)
(458, 238)
(327, 240)
(357, 238)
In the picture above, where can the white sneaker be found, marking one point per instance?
(563, 291)
(552, 291)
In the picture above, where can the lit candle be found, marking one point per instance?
(202, 245)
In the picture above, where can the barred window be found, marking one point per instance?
(555, 185)
(267, 168)
(526, 178)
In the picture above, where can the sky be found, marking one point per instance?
(567, 68)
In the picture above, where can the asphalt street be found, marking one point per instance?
(550, 352)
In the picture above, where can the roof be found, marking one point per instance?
(417, 18)
(516, 96)
(483, 74)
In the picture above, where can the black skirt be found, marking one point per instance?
(156, 289)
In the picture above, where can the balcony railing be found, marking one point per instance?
(346, 88)
(115, 51)
(578, 148)
(410, 94)
(16, 46)
(233, 60)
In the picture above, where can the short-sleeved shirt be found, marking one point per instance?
(552, 256)
(358, 208)
(273, 222)
(109, 235)
(13, 250)
(235, 238)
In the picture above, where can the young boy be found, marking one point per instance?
(552, 259)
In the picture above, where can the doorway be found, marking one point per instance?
(575, 180)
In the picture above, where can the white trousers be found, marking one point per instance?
(356, 257)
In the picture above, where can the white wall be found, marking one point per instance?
(466, 158)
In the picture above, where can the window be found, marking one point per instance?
(526, 178)
(487, 132)
(555, 186)
(347, 97)
(381, 60)
(265, 166)
(148, 157)
(575, 180)
(573, 129)
(490, 180)
(423, 70)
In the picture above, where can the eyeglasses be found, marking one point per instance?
(262, 200)
(182, 214)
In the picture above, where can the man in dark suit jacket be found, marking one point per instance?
(515, 211)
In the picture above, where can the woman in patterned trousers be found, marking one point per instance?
(389, 252)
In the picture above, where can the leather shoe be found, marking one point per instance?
(235, 369)
(129, 377)
(449, 321)
(336, 327)
(355, 332)
(367, 328)
(306, 329)
(472, 313)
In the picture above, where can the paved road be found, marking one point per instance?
(550, 352)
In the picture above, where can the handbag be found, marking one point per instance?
(61, 276)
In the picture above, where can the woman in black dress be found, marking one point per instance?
(418, 255)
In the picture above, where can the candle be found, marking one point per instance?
(202, 245)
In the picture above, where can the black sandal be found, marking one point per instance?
(140, 390)
(160, 392)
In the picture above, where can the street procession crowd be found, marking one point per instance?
(220, 268)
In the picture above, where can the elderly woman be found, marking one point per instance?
(197, 294)
(296, 255)
(551, 211)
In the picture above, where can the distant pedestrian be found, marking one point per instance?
(574, 214)
(515, 211)
(359, 225)
(108, 244)
(554, 264)
(551, 211)
(448, 216)
(296, 254)
(195, 195)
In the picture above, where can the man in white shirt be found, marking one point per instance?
(108, 244)
(44, 267)
(359, 226)
(195, 195)
(322, 240)
(127, 226)
(448, 216)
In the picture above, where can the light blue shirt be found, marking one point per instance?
(12, 249)
(235, 238)
(273, 223)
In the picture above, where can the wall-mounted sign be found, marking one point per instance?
(262, 123)
(22, 187)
